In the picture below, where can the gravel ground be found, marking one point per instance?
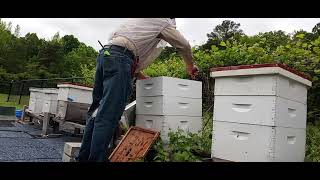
(20, 143)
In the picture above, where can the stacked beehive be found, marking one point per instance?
(259, 113)
(165, 103)
(43, 100)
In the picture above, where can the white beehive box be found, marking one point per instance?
(36, 100)
(260, 113)
(166, 123)
(35, 105)
(260, 110)
(43, 100)
(168, 86)
(272, 80)
(254, 143)
(75, 93)
(165, 105)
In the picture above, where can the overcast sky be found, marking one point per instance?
(90, 30)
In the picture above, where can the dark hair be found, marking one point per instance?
(172, 18)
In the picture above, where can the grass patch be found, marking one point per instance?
(14, 99)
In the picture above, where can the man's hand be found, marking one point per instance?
(192, 70)
(140, 76)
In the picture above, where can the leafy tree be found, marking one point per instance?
(316, 29)
(271, 40)
(51, 57)
(81, 56)
(226, 31)
(165, 54)
(69, 43)
(17, 31)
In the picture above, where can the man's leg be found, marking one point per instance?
(116, 89)
(84, 151)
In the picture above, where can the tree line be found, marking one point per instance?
(31, 57)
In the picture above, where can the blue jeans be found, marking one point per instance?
(110, 94)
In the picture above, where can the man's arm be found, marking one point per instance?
(175, 39)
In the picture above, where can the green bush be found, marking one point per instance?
(185, 146)
(313, 143)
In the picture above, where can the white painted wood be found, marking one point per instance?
(75, 93)
(270, 84)
(254, 143)
(164, 124)
(51, 96)
(246, 85)
(50, 106)
(74, 86)
(62, 109)
(36, 94)
(164, 105)
(260, 71)
(260, 110)
(32, 104)
(168, 86)
(43, 100)
(292, 90)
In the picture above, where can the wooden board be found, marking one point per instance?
(134, 145)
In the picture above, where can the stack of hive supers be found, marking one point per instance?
(259, 113)
(165, 103)
(50, 100)
(43, 100)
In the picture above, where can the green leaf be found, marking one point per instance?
(317, 71)
(222, 43)
(214, 48)
(300, 36)
(298, 44)
(228, 43)
(304, 45)
(316, 49)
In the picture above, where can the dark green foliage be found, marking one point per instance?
(29, 57)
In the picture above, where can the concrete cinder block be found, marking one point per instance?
(165, 105)
(168, 86)
(71, 148)
(254, 143)
(66, 158)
